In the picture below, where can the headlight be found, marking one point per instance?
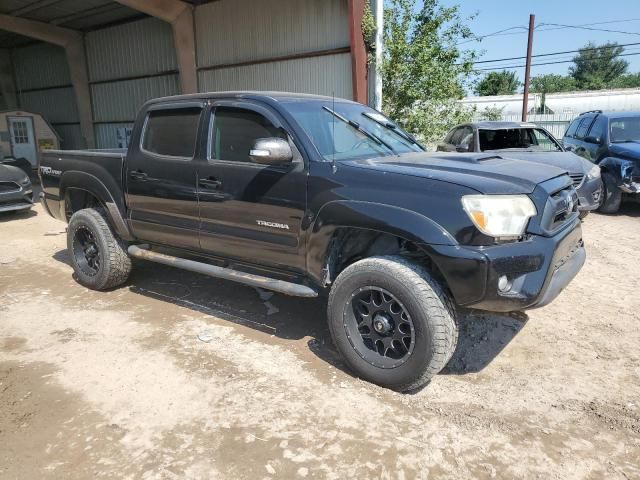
(594, 172)
(499, 216)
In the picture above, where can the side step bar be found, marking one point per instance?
(281, 286)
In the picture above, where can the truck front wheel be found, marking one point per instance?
(98, 257)
(392, 322)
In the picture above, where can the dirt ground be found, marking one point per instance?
(178, 375)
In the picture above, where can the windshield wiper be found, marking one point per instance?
(393, 128)
(357, 126)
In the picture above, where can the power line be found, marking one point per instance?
(565, 59)
(588, 28)
(491, 35)
(507, 67)
(506, 31)
(555, 53)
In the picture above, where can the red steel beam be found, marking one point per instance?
(358, 51)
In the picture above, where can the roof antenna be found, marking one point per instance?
(334, 167)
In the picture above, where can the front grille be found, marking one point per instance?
(9, 187)
(561, 207)
(577, 179)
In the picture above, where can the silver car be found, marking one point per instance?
(526, 141)
(16, 192)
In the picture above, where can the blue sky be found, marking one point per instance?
(495, 15)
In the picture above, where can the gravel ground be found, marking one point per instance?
(177, 375)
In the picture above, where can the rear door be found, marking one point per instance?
(161, 176)
(248, 211)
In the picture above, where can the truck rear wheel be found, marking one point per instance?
(393, 324)
(98, 257)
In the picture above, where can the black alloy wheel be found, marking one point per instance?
(379, 327)
(86, 251)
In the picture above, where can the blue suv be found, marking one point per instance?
(611, 140)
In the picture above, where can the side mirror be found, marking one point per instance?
(271, 151)
(591, 139)
(462, 148)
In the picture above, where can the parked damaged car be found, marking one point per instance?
(612, 141)
(16, 192)
(526, 141)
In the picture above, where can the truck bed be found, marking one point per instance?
(57, 167)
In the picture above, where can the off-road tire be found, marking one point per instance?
(115, 264)
(611, 194)
(429, 306)
(583, 214)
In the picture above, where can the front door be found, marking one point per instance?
(248, 211)
(161, 177)
(23, 140)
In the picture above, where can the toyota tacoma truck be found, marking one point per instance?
(309, 196)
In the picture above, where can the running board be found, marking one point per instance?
(281, 286)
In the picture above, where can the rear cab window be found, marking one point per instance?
(172, 132)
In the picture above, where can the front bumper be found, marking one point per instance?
(18, 198)
(537, 269)
(590, 194)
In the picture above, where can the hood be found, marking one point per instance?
(486, 173)
(9, 173)
(630, 150)
(567, 161)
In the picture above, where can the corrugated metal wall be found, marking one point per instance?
(128, 64)
(44, 86)
(235, 41)
(328, 75)
(232, 32)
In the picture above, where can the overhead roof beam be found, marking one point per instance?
(89, 12)
(33, 6)
(180, 15)
(73, 44)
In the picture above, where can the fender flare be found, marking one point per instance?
(114, 208)
(382, 218)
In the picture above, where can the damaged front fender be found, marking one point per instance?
(625, 172)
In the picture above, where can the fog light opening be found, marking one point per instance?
(504, 284)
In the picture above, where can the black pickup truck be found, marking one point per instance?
(309, 195)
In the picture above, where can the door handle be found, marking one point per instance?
(210, 182)
(138, 175)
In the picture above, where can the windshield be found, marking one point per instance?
(348, 131)
(531, 139)
(625, 130)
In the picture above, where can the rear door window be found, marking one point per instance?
(172, 132)
(599, 128)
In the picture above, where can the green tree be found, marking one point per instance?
(552, 83)
(498, 83)
(424, 72)
(597, 67)
(491, 113)
(630, 80)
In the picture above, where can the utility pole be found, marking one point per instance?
(527, 71)
(379, 13)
